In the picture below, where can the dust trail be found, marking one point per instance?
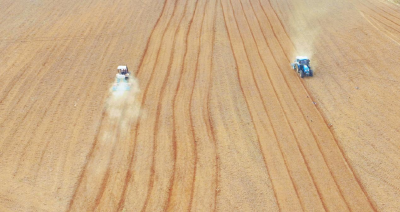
(305, 28)
(122, 110)
(309, 20)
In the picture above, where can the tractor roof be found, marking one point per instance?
(122, 67)
(302, 58)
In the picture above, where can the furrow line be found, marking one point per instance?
(282, 109)
(205, 144)
(291, 127)
(88, 157)
(383, 10)
(319, 147)
(106, 176)
(190, 106)
(185, 166)
(246, 98)
(132, 159)
(162, 96)
(173, 111)
(84, 80)
(47, 113)
(210, 80)
(269, 77)
(137, 71)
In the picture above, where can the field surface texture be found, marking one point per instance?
(215, 120)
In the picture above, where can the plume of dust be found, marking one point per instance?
(122, 111)
(306, 27)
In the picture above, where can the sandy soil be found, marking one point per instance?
(216, 118)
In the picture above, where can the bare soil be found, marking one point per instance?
(216, 119)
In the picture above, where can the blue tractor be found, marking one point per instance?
(302, 66)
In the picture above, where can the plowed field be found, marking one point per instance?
(216, 119)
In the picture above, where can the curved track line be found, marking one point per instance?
(86, 162)
(129, 172)
(244, 94)
(323, 154)
(173, 110)
(309, 169)
(156, 126)
(208, 108)
(190, 106)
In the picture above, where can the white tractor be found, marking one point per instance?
(122, 80)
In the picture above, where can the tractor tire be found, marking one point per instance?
(301, 73)
(311, 73)
(296, 68)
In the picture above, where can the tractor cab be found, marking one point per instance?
(303, 60)
(122, 80)
(123, 73)
(123, 70)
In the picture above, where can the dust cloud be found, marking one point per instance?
(122, 111)
(305, 28)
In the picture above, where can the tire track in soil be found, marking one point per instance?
(46, 115)
(195, 154)
(120, 134)
(66, 105)
(152, 67)
(28, 80)
(183, 181)
(373, 205)
(73, 202)
(308, 167)
(380, 21)
(52, 114)
(81, 126)
(348, 188)
(250, 100)
(217, 168)
(179, 155)
(345, 183)
(303, 201)
(89, 156)
(14, 118)
(379, 6)
(110, 191)
(158, 112)
(82, 92)
(180, 68)
(350, 176)
(78, 130)
(283, 115)
(233, 124)
(220, 33)
(107, 173)
(117, 137)
(52, 32)
(164, 125)
(204, 184)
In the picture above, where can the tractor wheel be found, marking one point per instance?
(311, 73)
(296, 68)
(301, 73)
